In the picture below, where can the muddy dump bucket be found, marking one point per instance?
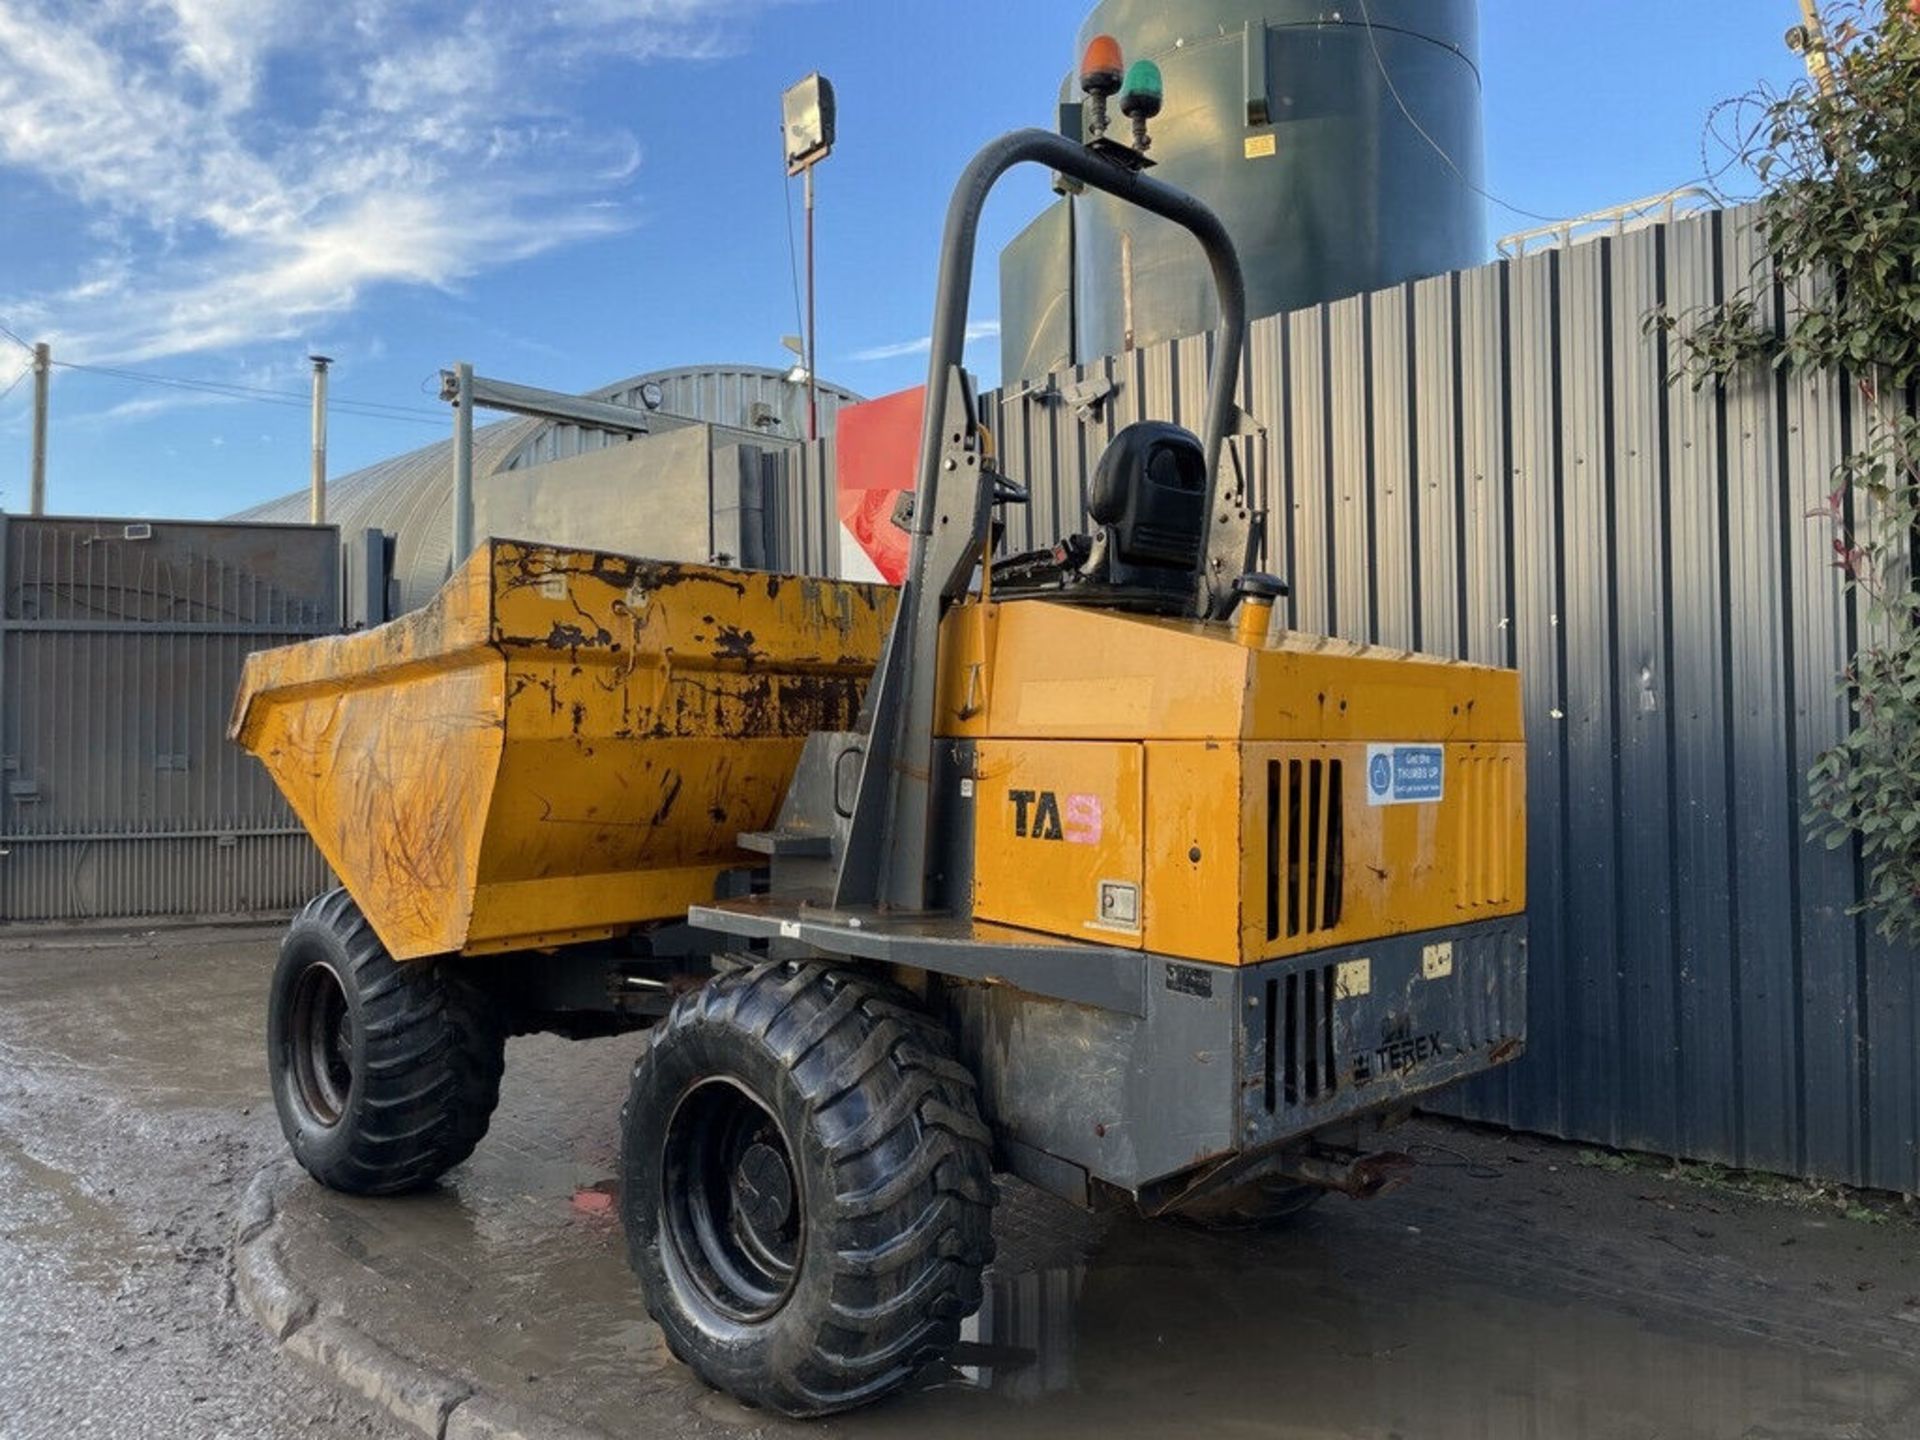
(562, 745)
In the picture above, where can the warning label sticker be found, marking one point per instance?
(1406, 774)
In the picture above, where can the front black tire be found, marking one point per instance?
(385, 1073)
(807, 1187)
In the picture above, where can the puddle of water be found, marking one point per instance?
(1171, 1333)
(62, 1227)
(1332, 1330)
(1428, 1318)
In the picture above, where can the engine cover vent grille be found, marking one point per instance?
(1305, 847)
(1483, 810)
(1302, 1066)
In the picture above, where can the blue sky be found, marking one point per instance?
(569, 193)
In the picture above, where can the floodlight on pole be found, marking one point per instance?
(807, 126)
(798, 372)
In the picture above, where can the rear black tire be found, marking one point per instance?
(385, 1073)
(807, 1187)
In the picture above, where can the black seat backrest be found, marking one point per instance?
(1150, 492)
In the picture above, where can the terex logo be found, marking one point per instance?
(1400, 1050)
(1037, 816)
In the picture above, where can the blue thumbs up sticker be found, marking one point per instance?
(1406, 774)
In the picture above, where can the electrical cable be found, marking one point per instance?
(1420, 130)
(15, 338)
(235, 387)
(25, 371)
(1453, 1160)
(362, 409)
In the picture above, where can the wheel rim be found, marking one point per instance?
(320, 1039)
(734, 1209)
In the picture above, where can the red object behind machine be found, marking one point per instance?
(878, 445)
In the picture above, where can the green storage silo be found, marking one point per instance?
(1287, 117)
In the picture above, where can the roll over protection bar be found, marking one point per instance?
(955, 285)
(884, 859)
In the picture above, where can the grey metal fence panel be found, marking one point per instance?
(805, 522)
(1706, 975)
(1643, 1102)
(1887, 993)
(1355, 580)
(1502, 464)
(1390, 470)
(1306, 399)
(120, 648)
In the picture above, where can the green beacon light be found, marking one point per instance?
(1141, 99)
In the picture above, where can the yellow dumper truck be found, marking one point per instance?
(1071, 864)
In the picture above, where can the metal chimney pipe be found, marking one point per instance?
(317, 507)
(462, 462)
(42, 380)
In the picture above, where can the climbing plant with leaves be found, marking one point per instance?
(1839, 161)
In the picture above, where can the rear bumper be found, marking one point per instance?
(1222, 1060)
(1349, 1032)
(1126, 1067)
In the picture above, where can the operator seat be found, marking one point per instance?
(1148, 500)
(1149, 496)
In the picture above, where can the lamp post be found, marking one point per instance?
(807, 123)
(1809, 41)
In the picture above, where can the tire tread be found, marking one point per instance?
(430, 1060)
(911, 1167)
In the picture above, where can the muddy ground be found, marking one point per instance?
(1515, 1288)
(133, 1112)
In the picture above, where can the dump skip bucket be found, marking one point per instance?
(563, 745)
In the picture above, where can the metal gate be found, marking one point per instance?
(120, 647)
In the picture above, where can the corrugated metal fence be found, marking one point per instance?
(801, 513)
(120, 649)
(1495, 464)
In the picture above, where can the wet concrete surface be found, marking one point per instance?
(1510, 1290)
(133, 1111)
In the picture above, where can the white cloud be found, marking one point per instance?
(396, 146)
(220, 42)
(900, 349)
(148, 406)
(288, 379)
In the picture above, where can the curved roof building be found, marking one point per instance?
(410, 497)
